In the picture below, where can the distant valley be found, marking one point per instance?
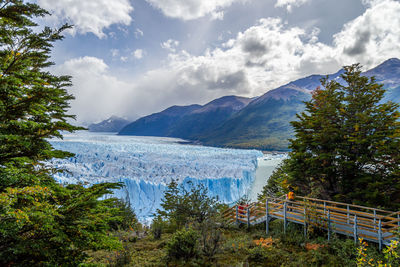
(262, 122)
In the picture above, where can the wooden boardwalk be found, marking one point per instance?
(371, 224)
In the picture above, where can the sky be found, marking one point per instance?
(131, 58)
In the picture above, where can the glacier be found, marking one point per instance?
(145, 165)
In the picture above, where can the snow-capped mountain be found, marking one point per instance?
(112, 124)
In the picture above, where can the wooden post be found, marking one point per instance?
(380, 234)
(266, 217)
(398, 219)
(355, 229)
(374, 219)
(237, 214)
(329, 225)
(248, 217)
(284, 217)
(305, 223)
(348, 215)
(324, 207)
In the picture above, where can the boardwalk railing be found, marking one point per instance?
(371, 224)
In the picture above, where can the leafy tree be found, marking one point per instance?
(181, 206)
(125, 218)
(346, 143)
(41, 222)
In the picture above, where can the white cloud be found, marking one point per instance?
(290, 3)
(263, 57)
(138, 53)
(372, 37)
(96, 91)
(114, 52)
(170, 45)
(89, 15)
(138, 33)
(192, 9)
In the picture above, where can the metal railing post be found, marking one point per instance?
(237, 214)
(248, 217)
(380, 234)
(355, 229)
(305, 223)
(329, 225)
(284, 217)
(398, 219)
(267, 217)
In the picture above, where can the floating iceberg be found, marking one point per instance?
(145, 165)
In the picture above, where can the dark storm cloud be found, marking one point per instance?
(251, 64)
(254, 47)
(359, 47)
(233, 80)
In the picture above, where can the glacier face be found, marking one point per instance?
(145, 165)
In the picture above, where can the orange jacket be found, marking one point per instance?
(291, 196)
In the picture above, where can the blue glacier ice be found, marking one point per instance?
(145, 165)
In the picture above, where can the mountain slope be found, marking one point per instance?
(158, 124)
(262, 123)
(265, 122)
(388, 73)
(113, 124)
(208, 117)
(187, 122)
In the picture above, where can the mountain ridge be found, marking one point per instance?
(262, 122)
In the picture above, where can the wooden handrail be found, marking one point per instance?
(374, 224)
(345, 204)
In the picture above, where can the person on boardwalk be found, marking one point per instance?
(290, 196)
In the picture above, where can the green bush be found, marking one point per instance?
(257, 254)
(125, 217)
(183, 245)
(210, 238)
(157, 227)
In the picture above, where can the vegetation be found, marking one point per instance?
(345, 148)
(41, 221)
(249, 247)
(346, 145)
(181, 207)
(183, 245)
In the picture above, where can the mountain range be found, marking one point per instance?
(262, 122)
(187, 122)
(112, 124)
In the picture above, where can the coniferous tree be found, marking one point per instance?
(41, 222)
(346, 144)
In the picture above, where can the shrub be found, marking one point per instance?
(210, 238)
(125, 218)
(157, 227)
(187, 203)
(257, 254)
(183, 245)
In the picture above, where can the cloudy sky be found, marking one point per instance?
(134, 57)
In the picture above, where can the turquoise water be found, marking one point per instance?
(266, 165)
